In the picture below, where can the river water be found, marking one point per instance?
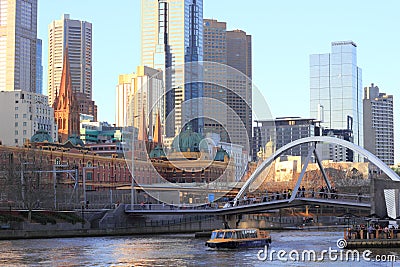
(174, 250)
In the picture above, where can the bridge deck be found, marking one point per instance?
(249, 208)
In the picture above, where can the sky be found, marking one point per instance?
(284, 34)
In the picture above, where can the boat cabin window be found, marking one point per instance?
(220, 235)
(213, 235)
(234, 235)
(240, 235)
(247, 234)
(228, 235)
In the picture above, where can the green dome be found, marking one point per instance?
(189, 141)
(76, 140)
(157, 152)
(221, 153)
(41, 136)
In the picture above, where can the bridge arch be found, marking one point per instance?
(317, 139)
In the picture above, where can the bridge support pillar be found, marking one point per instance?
(232, 221)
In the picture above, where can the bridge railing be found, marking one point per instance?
(166, 207)
(334, 197)
(305, 194)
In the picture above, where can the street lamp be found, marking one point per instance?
(133, 162)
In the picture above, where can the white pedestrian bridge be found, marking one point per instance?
(240, 207)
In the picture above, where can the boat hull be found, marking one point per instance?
(240, 243)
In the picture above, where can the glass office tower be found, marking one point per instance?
(336, 90)
(172, 35)
(18, 34)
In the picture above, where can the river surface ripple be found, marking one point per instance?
(172, 250)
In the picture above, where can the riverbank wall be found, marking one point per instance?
(110, 223)
(117, 222)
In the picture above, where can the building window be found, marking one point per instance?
(26, 14)
(16, 132)
(16, 124)
(16, 116)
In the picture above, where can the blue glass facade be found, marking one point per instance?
(39, 67)
(336, 90)
(192, 112)
(172, 35)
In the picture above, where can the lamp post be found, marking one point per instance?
(133, 169)
(133, 163)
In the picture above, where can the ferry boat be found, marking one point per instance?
(238, 238)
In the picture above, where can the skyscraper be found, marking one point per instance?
(138, 92)
(123, 91)
(239, 94)
(378, 124)
(18, 34)
(336, 93)
(228, 89)
(172, 32)
(77, 35)
(39, 67)
(215, 77)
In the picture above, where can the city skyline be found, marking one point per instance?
(280, 52)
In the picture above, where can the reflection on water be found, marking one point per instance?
(165, 250)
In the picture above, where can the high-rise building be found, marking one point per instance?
(215, 78)
(228, 90)
(123, 91)
(39, 67)
(239, 93)
(77, 36)
(138, 92)
(172, 35)
(18, 35)
(239, 51)
(378, 124)
(336, 93)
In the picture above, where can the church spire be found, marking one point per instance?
(65, 93)
(142, 135)
(66, 110)
(157, 138)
